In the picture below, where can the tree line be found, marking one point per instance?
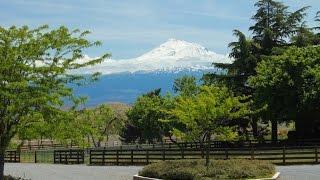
(274, 78)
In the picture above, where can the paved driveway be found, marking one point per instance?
(83, 172)
(70, 172)
(299, 172)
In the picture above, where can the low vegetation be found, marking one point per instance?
(13, 178)
(218, 169)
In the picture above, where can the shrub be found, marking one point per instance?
(12, 178)
(218, 169)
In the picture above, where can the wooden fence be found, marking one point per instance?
(308, 154)
(12, 157)
(70, 156)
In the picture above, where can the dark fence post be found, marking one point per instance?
(66, 157)
(117, 157)
(78, 157)
(182, 153)
(227, 153)
(284, 155)
(103, 156)
(316, 152)
(252, 153)
(90, 156)
(163, 154)
(131, 156)
(147, 156)
(35, 156)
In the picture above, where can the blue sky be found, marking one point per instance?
(129, 28)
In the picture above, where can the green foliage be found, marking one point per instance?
(35, 67)
(207, 112)
(95, 124)
(274, 23)
(305, 37)
(218, 169)
(185, 86)
(289, 83)
(273, 26)
(144, 119)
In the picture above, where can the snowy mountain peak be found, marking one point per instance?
(178, 49)
(173, 55)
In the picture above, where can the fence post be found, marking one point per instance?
(284, 155)
(163, 154)
(90, 156)
(78, 157)
(131, 156)
(182, 153)
(202, 153)
(147, 156)
(66, 157)
(227, 153)
(117, 157)
(252, 153)
(103, 155)
(35, 156)
(316, 152)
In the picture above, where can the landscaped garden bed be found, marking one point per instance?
(217, 169)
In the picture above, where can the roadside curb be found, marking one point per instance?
(276, 176)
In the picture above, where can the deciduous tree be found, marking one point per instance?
(35, 67)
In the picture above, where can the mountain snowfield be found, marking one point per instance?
(173, 55)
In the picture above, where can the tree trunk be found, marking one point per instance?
(274, 132)
(208, 150)
(2, 153)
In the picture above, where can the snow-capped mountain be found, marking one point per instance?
(125, 80)
(173, 55)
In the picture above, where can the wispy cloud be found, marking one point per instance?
(130, 27)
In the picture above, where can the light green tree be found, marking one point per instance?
(35, 67)
(208, 113)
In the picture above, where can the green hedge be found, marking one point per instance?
(218, 169)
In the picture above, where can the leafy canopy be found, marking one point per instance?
(35, 66)
(207, 112)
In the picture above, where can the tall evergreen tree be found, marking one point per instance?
(273, 26)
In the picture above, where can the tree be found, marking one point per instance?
(144, 117)
(273, 26)
(289, 84)
(305, 37)
(102, 121)
(185, 86)
(35, 67)
(207, 113)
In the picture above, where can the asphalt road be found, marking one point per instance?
(70, 172)
(84, 172)
(299, 172)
